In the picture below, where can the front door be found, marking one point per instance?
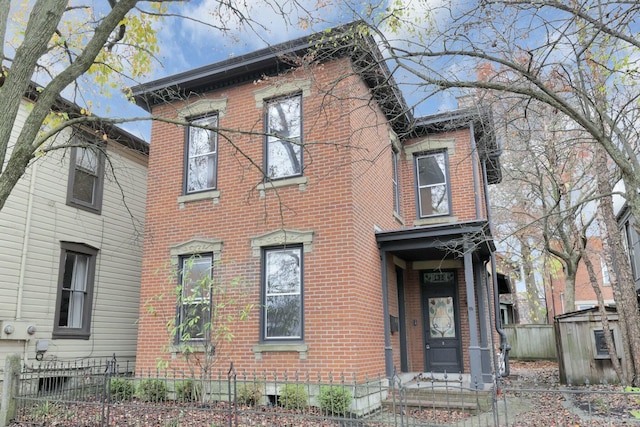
(443, 351)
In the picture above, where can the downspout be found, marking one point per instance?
(504, 344)
(474, 149)
(25, 241)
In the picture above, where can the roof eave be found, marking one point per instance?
(481, 120)
(367, 59)
(113, 132)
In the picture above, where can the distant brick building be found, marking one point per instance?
(361, 232)
(585, 295)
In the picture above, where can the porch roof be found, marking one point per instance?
(441, 241)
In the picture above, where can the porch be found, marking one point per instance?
(439, 302)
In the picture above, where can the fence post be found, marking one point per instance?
(231, 380)
(9, 389)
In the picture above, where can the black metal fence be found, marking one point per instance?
(108, 393)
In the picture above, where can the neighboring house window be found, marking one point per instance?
(631, 242)
(283, 152)
(396, 186)
(202, 155)
(282, 294)
(86, 177)
(606, 280)
(433, 186)
(195, 298)
(75, 291)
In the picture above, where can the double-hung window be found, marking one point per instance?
(433, 185)
(194, 307)
(283, 151)
(75, 291)
(86, 176)
(606, 279)
(202, 154)
(282, 294)
(632, 243)
(396, 187)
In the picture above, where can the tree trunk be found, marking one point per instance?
(606, 329)
(533, 297)
(620, 274)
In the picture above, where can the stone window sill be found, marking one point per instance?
(213, 195)
(300, 181)
(398, 218)
(435, 220)
(302, 349)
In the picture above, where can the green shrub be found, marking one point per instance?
(150, 390)
(335, 400)
(293, 396)
(188, 390)
(121, 389)
(249, 394)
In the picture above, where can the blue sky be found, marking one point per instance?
(192, 39)
(193, 42)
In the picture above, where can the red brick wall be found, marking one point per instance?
(584, 293)
(460, 175)
(349, 190)
(349, 194)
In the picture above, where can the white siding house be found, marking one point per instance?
(70, 250)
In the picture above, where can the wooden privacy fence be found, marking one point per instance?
(531, 341)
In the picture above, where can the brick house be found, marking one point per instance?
(585, 296)
(362, 233)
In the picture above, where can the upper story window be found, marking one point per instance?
(396, 187)
(606, 279)
(194, 308)
(75, 291)
(202, 155)
(631, 241)
(86, 176)
(282, 294)
(283, 152)
(433, 185)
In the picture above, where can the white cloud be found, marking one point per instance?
(203, 33)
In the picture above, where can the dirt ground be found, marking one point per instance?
(534, 397)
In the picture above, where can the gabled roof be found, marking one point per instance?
(340, 42)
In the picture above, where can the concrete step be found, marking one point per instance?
(441, 398)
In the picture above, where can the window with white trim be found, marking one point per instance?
(75, 291)
(201, 166)
(194, 307)
(282, 287)
(283, 151)
(433, 184)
